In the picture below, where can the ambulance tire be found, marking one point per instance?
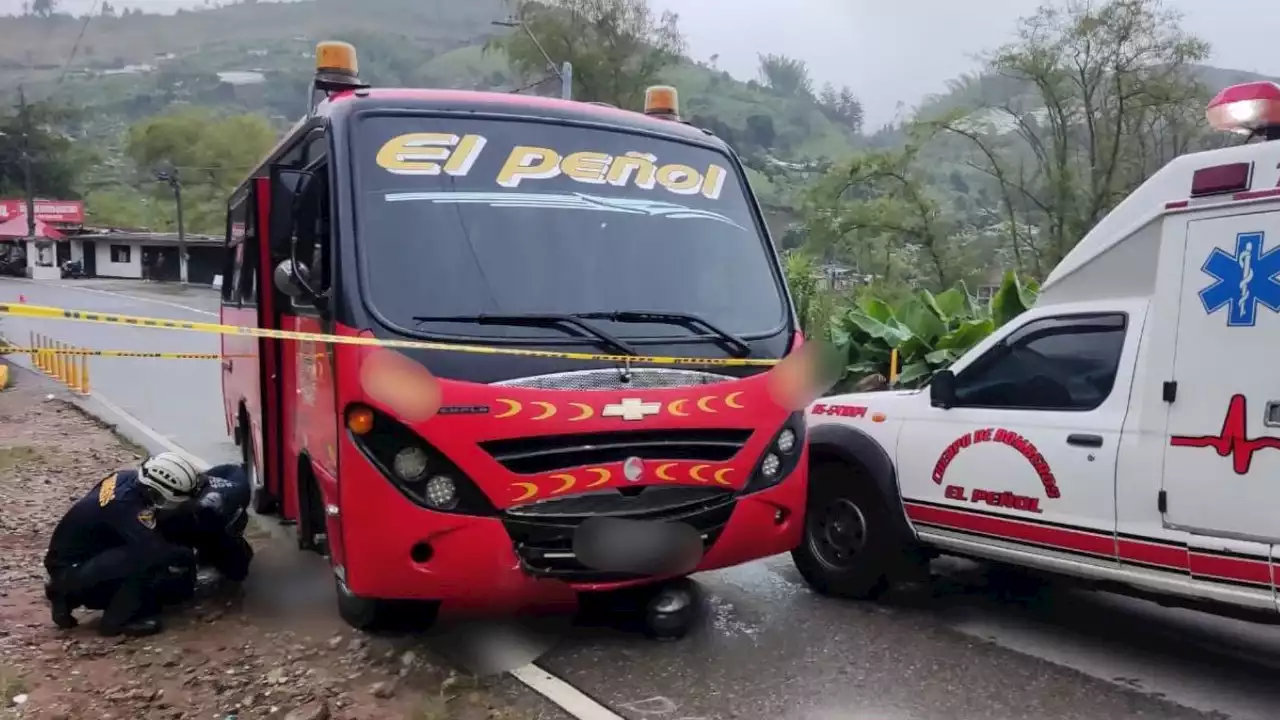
(375, 615)
(849, 547)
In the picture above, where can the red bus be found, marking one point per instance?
(561, 238)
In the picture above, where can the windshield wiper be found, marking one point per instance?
(739, 347)
(536, 320)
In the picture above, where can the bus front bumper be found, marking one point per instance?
(397, 550)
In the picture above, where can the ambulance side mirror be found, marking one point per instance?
(942, 390)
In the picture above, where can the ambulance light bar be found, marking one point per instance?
(1222, 179)
(1246, 109)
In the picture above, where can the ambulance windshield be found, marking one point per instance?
(458, 218)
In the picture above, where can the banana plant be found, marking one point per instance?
(929, 331)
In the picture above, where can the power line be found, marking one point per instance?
(76, 46)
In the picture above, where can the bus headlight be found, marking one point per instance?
(416, 468)
(410, 463)
(441, 493)
(786, 441)
(780, 456)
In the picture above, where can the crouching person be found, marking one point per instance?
(108, 554)
(213, 525)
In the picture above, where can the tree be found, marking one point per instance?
(617, 47)
(786, 75)
(54, 165)
(43, 8)
(760, 131)
(878, 210)
(841, 106)
(1109, 95)
(210, 153)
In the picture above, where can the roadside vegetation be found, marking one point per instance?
(921, 236)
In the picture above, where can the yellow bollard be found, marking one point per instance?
(44, 355)
(35, 354)
(73, 373)
(59, 363)
(84, 375)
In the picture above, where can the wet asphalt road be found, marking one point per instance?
(968, 647)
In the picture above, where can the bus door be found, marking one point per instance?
(309, 412)
(244, 372)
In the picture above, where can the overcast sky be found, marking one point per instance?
(892, 51)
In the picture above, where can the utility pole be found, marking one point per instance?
(171, 177)
(564, 72)
(24, 119)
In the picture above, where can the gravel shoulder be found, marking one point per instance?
(254, 654)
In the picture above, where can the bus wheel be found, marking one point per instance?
(848, 546)
(262, 501)
(374, 615)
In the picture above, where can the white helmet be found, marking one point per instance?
(172, 476)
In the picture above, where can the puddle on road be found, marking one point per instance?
(724, 618)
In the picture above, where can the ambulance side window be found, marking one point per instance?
(1059, 363)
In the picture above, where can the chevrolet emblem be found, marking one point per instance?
(631, 409)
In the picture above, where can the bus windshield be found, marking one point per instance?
(459, 218)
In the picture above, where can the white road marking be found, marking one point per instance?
(147, 430)
(570, 699)
(113, 293)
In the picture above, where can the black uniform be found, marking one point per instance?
(106, 553)
(213, 524)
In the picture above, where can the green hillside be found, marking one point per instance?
(134, 66)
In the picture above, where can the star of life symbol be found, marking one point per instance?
(1242, 281)
(631, 409)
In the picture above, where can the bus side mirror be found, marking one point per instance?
(942, 389)
(288, 186)
(291, 279)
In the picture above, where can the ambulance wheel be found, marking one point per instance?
(374, 615)
(848, 546)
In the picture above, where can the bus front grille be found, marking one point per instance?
(531, 455)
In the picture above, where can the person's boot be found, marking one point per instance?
(59, 607)
(141, 627)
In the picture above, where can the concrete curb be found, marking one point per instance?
(130, 432)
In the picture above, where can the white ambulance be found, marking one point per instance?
(1125, 431)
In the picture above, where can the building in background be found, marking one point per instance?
(145, 255)
(56, 220)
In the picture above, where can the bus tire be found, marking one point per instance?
(849, 547)
(375, 615)
(261, 501)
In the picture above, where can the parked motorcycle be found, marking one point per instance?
(73, 269)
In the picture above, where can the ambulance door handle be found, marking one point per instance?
(1093, 441)
(1272, 416)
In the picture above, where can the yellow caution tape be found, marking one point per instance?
(53, 313)
(119, 353)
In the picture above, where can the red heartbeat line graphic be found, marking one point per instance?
(1233, 439)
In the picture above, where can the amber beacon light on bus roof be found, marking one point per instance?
(337, 69)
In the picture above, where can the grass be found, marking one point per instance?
(11, 684)
(433, 707)
(14, 456)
